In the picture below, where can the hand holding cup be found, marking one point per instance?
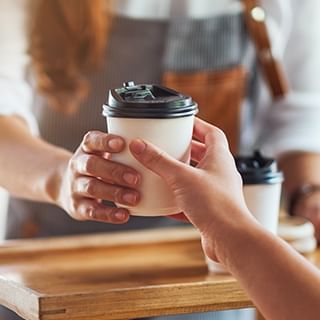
(90, 177)
(209, 194)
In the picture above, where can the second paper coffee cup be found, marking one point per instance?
(262, 183)
(161, 116)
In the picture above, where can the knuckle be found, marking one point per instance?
(73, 164)
(90, 187)
(221, 136)
(78, 212)
(74, 186)
(117, 194)
(96, 214)
(218, 140)
(87, 138)
(155, 157)
(89, 164)
(89, 135)
(86, 213)
(116, 172)
(109, 216)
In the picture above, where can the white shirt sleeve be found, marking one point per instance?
(293, 124)
(15, 93)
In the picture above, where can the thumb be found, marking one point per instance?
(157, 160)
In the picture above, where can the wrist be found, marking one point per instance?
(55, 177)
(236, 252)
(228, 238)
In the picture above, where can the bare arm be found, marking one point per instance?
(280, 282)
(31, 168)
(36, 170)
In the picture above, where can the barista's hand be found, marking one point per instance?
(210, 195)
(90, 177)
(305, 166)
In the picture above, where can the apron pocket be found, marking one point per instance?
(219, 95)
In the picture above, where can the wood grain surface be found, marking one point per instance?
(114, 276)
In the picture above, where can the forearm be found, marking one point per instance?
(30, 167)
(281, 283)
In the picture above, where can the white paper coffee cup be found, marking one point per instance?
(262, 183)
(263, 201)
(161, 116)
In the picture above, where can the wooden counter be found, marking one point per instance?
(114, 276)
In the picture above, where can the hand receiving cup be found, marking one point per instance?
(210, 194)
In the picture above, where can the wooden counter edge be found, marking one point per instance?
(147, 301)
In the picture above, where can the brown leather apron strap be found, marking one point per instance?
(273, 72)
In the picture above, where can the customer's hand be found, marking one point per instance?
(90, 177)
(210, 194)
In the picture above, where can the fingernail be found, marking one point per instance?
(129, 198)
(120, 215)
(130, 178)
(138, 146)
(115, 143)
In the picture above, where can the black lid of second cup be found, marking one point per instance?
(258, 170)
(148, 101)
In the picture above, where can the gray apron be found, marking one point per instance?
(139, 50)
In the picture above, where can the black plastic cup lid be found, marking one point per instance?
(258, 170)
(148, 101)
